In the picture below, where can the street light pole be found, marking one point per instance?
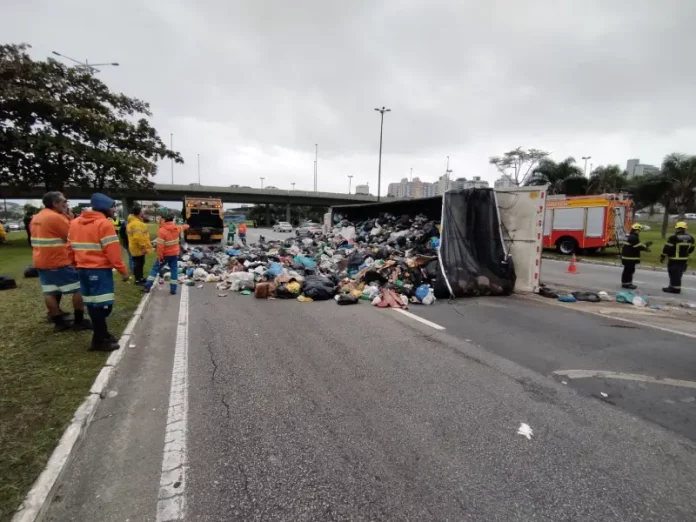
(262, 178)
(411, 176)
(350, 180)
(293, 186)
(379, 168)
(199, 169)
(316, 165)
(448, 171)
(586, 158)
(90, 67)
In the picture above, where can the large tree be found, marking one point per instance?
(679, 179)
(62, 126)
(564, 177)
(606, 180)
(518, 163)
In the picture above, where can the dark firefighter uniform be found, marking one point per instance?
(677, 250)
(630, 255)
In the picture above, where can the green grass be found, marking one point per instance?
(611, 254)
(44, 376)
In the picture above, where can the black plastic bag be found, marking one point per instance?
(30, 272)
(346, 299)
(319, 288)
(7, 283)
(356, 259)
(590, 297)
(548, 292)
(373, 275)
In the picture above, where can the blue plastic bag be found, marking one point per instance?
(422, 292)
(233, 252)
(275, 269)
(625, 297)
(197, 255)
(567, 299)
(434, 242)
(189, 272)
(307, 262)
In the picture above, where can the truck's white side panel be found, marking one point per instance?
(522, 215)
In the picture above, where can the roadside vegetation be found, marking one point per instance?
(44, 376)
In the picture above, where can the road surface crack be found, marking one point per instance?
(213, 379)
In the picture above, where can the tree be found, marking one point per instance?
(30, 209)
(562, 178)
(679, 180)
(605, 180)
(518, 163)
(62, 126)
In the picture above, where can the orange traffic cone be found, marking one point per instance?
(573, 267)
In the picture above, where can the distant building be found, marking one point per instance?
(635, 168)
(475, 182)
(504, 182)
(362, 189)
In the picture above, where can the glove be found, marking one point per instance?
(126, 278)
(662, 258)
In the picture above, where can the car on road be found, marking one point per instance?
(308, 229)
(690, 216)
(13, 226)
(282, 226)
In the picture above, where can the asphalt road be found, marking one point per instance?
(608, 278)
(305, 412)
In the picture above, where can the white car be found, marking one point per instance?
(690, 216)
(282, 226)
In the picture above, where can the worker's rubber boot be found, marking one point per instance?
(113, 340)
(61, 324)
(629, 286)
(85, 324)
(671, 290)
(66, 316)
(102, 345)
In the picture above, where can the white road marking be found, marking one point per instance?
(586, 374)
(419, 319)
(171, 503)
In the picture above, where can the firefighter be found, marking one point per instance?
(630, 255)
(677, 250)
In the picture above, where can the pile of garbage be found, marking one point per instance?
(390, 261)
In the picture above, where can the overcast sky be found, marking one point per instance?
(251, 86)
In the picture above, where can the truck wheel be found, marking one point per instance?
(566, 246)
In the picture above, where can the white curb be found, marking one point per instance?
(36, 503)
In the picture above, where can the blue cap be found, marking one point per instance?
(100, 202)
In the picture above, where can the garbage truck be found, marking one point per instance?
(496, 234)
(204, 216)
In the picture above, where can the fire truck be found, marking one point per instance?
(590, 223)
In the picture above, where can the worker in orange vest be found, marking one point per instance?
(242, 231)
(94, 245)
(167, 253)
(57, 275)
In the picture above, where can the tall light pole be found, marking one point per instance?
(90, 67)
(586, 158)
(171, 147)
(411, 175)
(316, 165)
(262, 178)
(293, 185)
(448, 171)
(199, 169)
(350, 180)
(379, 168)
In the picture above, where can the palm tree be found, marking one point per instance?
(562, 178)
(605, 180)
(679, 176)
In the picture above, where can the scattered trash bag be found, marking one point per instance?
(305, 299)
(30, 272)
(625, 296)
(548, 292)
(356, 259)
(567, 299)
(346, 299)
(288, 290)
(246, 286)
(319, 288)
(590, 297)
(264, 290)
(275, 269)
(603, 296)
(234, 252)
(246, 292)
(374, 276)
(306, 262)
(422, 292)
(7, 283)
(640, 301)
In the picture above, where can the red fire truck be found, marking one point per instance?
(586, 222)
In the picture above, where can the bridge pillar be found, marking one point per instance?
(268, 215)
(127, 204)
(288, 214)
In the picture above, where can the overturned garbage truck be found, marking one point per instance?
(490, 241)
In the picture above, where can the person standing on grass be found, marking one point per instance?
(57, 275)
(139, 244)
(242, 231)
(167, 253)
(93, 244)
(3, 234)
(27, 222)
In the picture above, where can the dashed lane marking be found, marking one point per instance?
(419, 319)
(600, 374)
(171, 503)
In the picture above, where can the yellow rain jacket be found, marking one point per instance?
(138, 237)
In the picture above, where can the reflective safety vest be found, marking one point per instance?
(49, 240)
(632, 247)
(93, 242)
(679, 246)
(242, 229)
(168, 240)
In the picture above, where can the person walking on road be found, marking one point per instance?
(139, 244)
(94, 245)
(167, 253)
(231, 231)
(677, 250)
(49, 231)
(242, 231)
(630, 255)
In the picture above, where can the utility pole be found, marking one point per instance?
(262, 178)
(411, 175)
(293, 185)
(586, 158)
(350, 180)
(199, 169)
(89, 67)
(171, 147)
(448, 171)
(379, 168)
(316, 165)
